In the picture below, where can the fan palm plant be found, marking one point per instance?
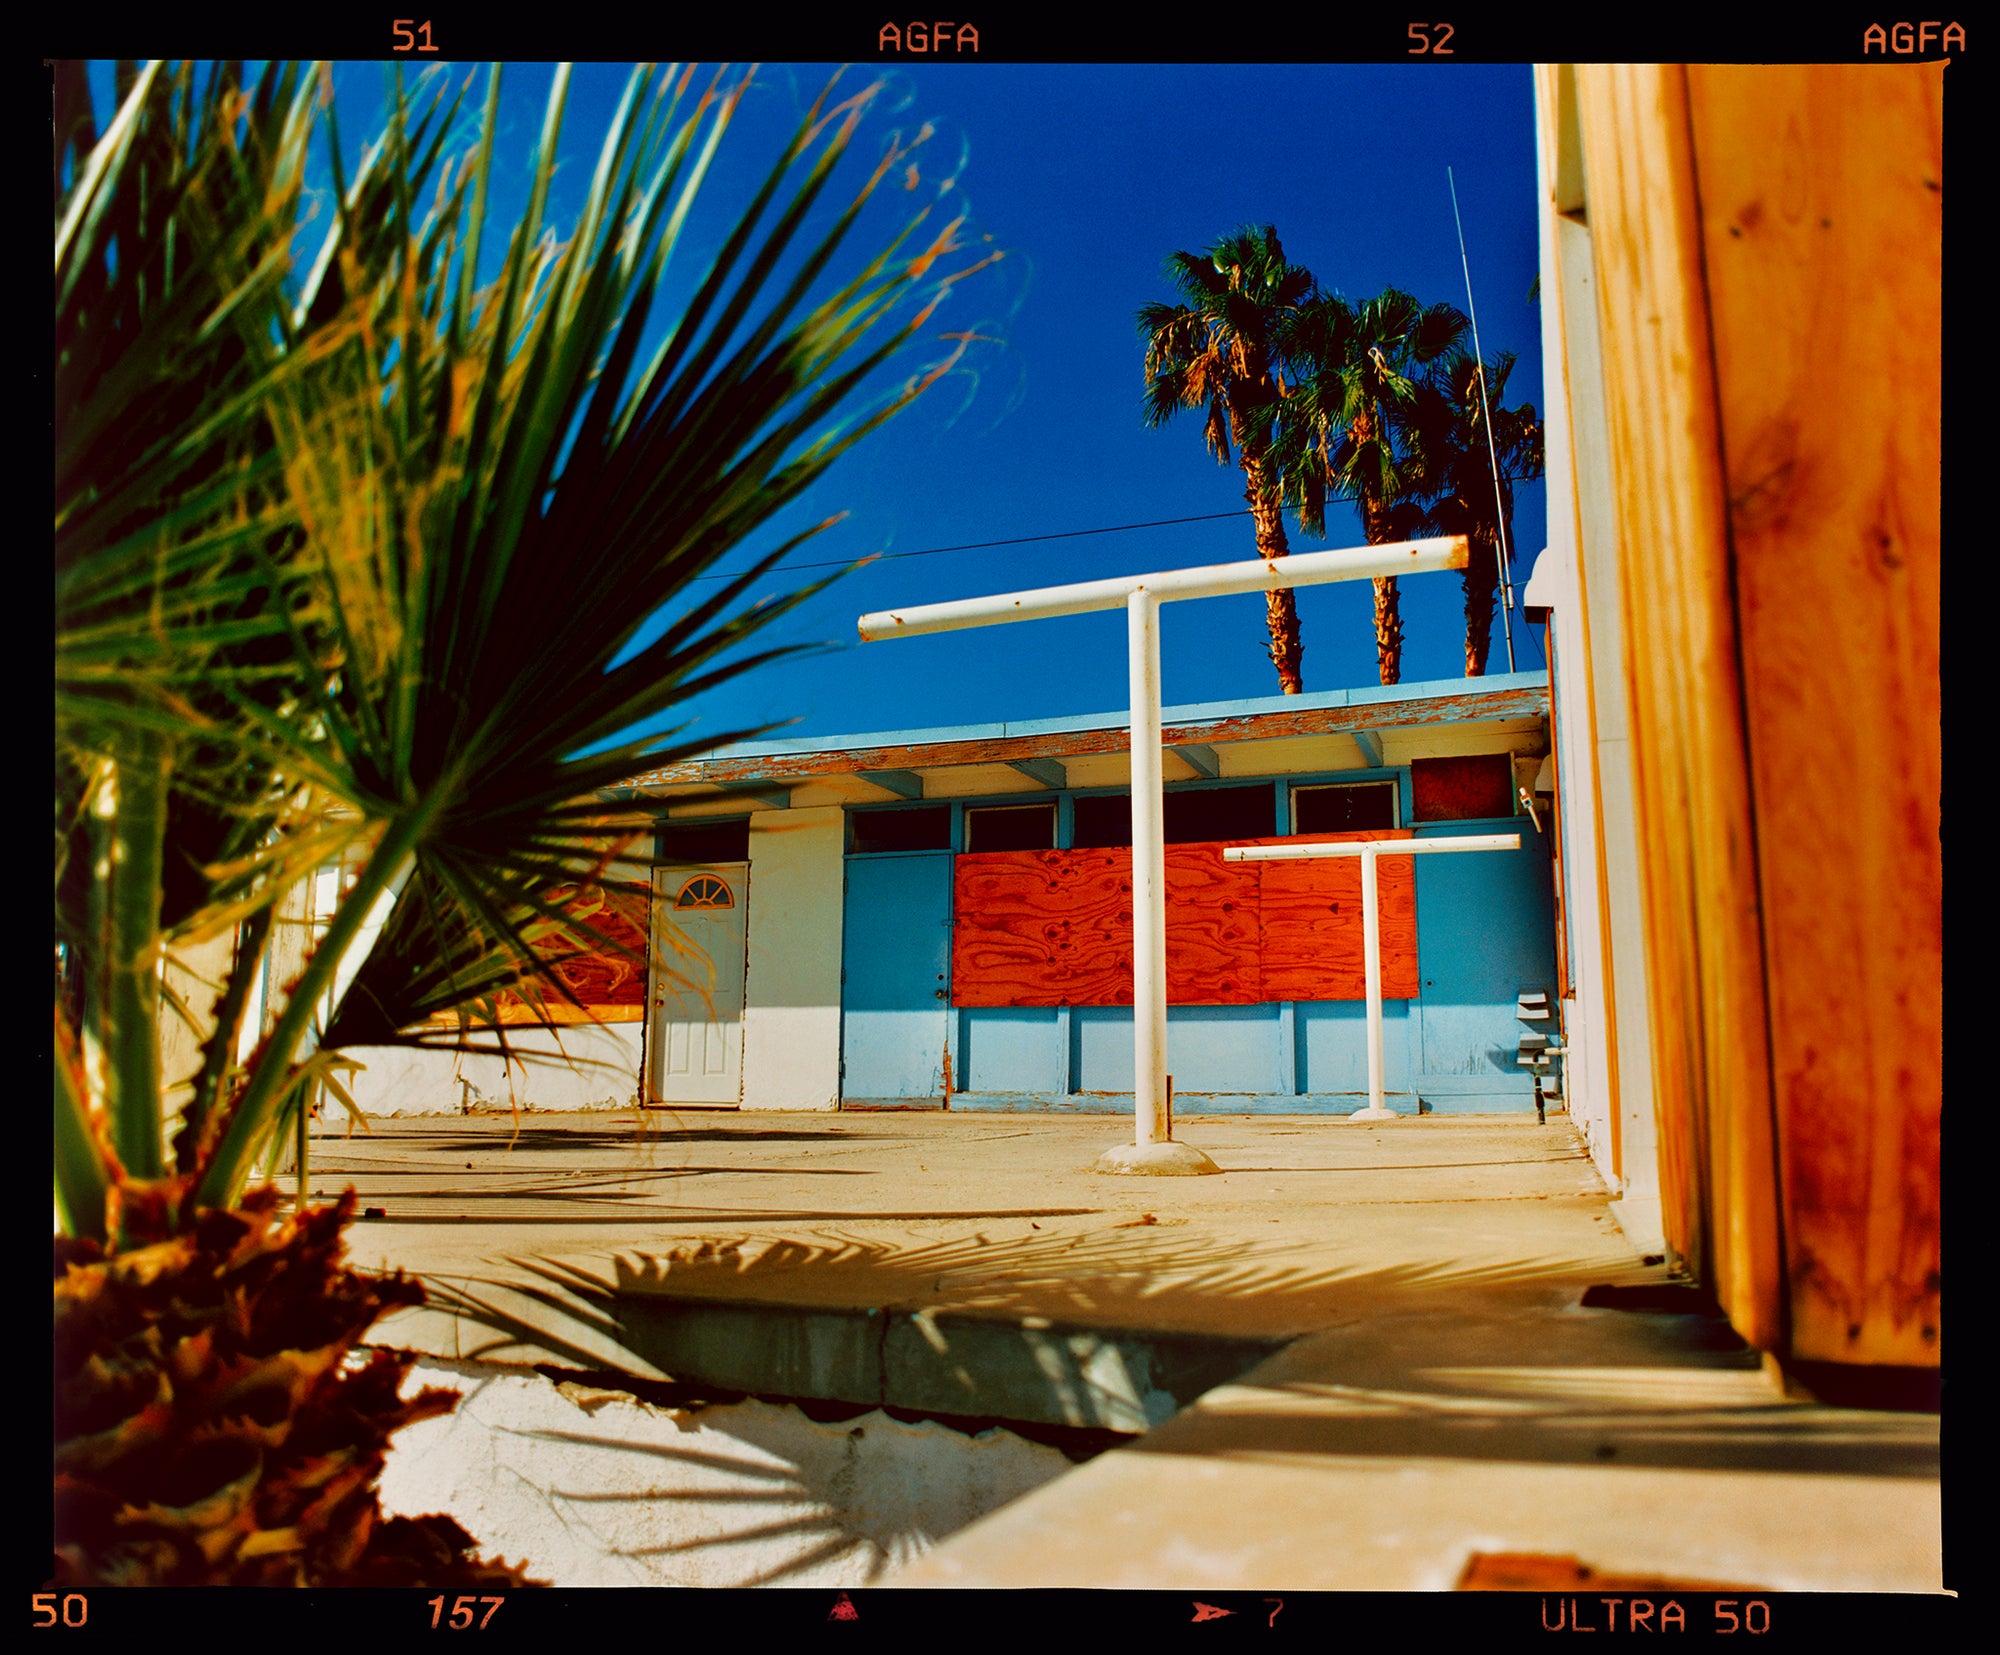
(1215, 350)
(352, 558)
(1354, 370)
(1467, 484)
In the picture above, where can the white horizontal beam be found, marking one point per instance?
(1381, 847)
(1215, 580)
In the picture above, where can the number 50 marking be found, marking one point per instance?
(75, 1609)
(1425, 44)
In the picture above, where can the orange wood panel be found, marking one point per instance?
(1212, 929)
(1042, 928)
(1054, 928)
(1822, 234)
(608, 977)
(1312, 941)
(1697, 832)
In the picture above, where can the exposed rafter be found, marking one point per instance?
(1370, 743)
(905, 784)
(1201, 759)
(1045, 772)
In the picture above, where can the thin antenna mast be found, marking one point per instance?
(1493, 458)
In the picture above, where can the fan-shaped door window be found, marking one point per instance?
(704, 890)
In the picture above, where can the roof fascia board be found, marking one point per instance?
(1503, 696)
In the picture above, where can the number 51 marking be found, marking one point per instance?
(1424, 43)
(407, 32)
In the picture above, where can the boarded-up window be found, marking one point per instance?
(600, 959)
(1054, 928)
(1462, 789)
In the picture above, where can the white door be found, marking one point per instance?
(695, 1029)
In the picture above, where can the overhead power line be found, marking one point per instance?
(982, 545)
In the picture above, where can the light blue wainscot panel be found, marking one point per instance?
(1333, 1054)
(1485, 934)
(1225, 1053)
(895, 968)
(1013, 1050)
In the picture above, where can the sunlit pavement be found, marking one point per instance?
(1444, 1397)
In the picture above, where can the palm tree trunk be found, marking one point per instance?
(1482, 583)
(1281, 613)
(1388, 629)
(1378, 530)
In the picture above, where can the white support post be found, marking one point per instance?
(1149, 895)
(1371, 944)
(1371, 920)
(1152, 1149)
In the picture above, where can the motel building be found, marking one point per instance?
(942, 919)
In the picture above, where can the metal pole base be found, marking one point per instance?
(1160, 1160)
(1373, 1115)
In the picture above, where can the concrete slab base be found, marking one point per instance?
(593, 1487)
(1167, 1160)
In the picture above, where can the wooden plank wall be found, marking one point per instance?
(1691, 781)
(1054, 928)
(1767, 245)
(1822, 234)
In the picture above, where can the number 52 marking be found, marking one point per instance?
(1425, 44)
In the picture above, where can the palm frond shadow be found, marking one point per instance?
(1131, 1278)
(785, 1493)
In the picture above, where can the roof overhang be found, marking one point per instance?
(1038, 749)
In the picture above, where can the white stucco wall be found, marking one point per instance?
(592, 1487)
(588, 1067)
(1608, 1030)
(791, 1025)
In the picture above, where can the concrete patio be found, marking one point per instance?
(1358, 1359)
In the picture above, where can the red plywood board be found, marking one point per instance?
(1042, 928)
(1313, 934)
(1462, 789)
(1212, 929)
(1052, 928)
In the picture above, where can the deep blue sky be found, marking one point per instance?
(1086, 177)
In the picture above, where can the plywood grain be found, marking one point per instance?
(1697, 847)
(1213, 926)
(1053, 928)
(1313, 932)
(1822, 233)
(1042, 928)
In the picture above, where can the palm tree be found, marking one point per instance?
(349, 568)
(1354, 368)
(1215, 350)
(1469, 488)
